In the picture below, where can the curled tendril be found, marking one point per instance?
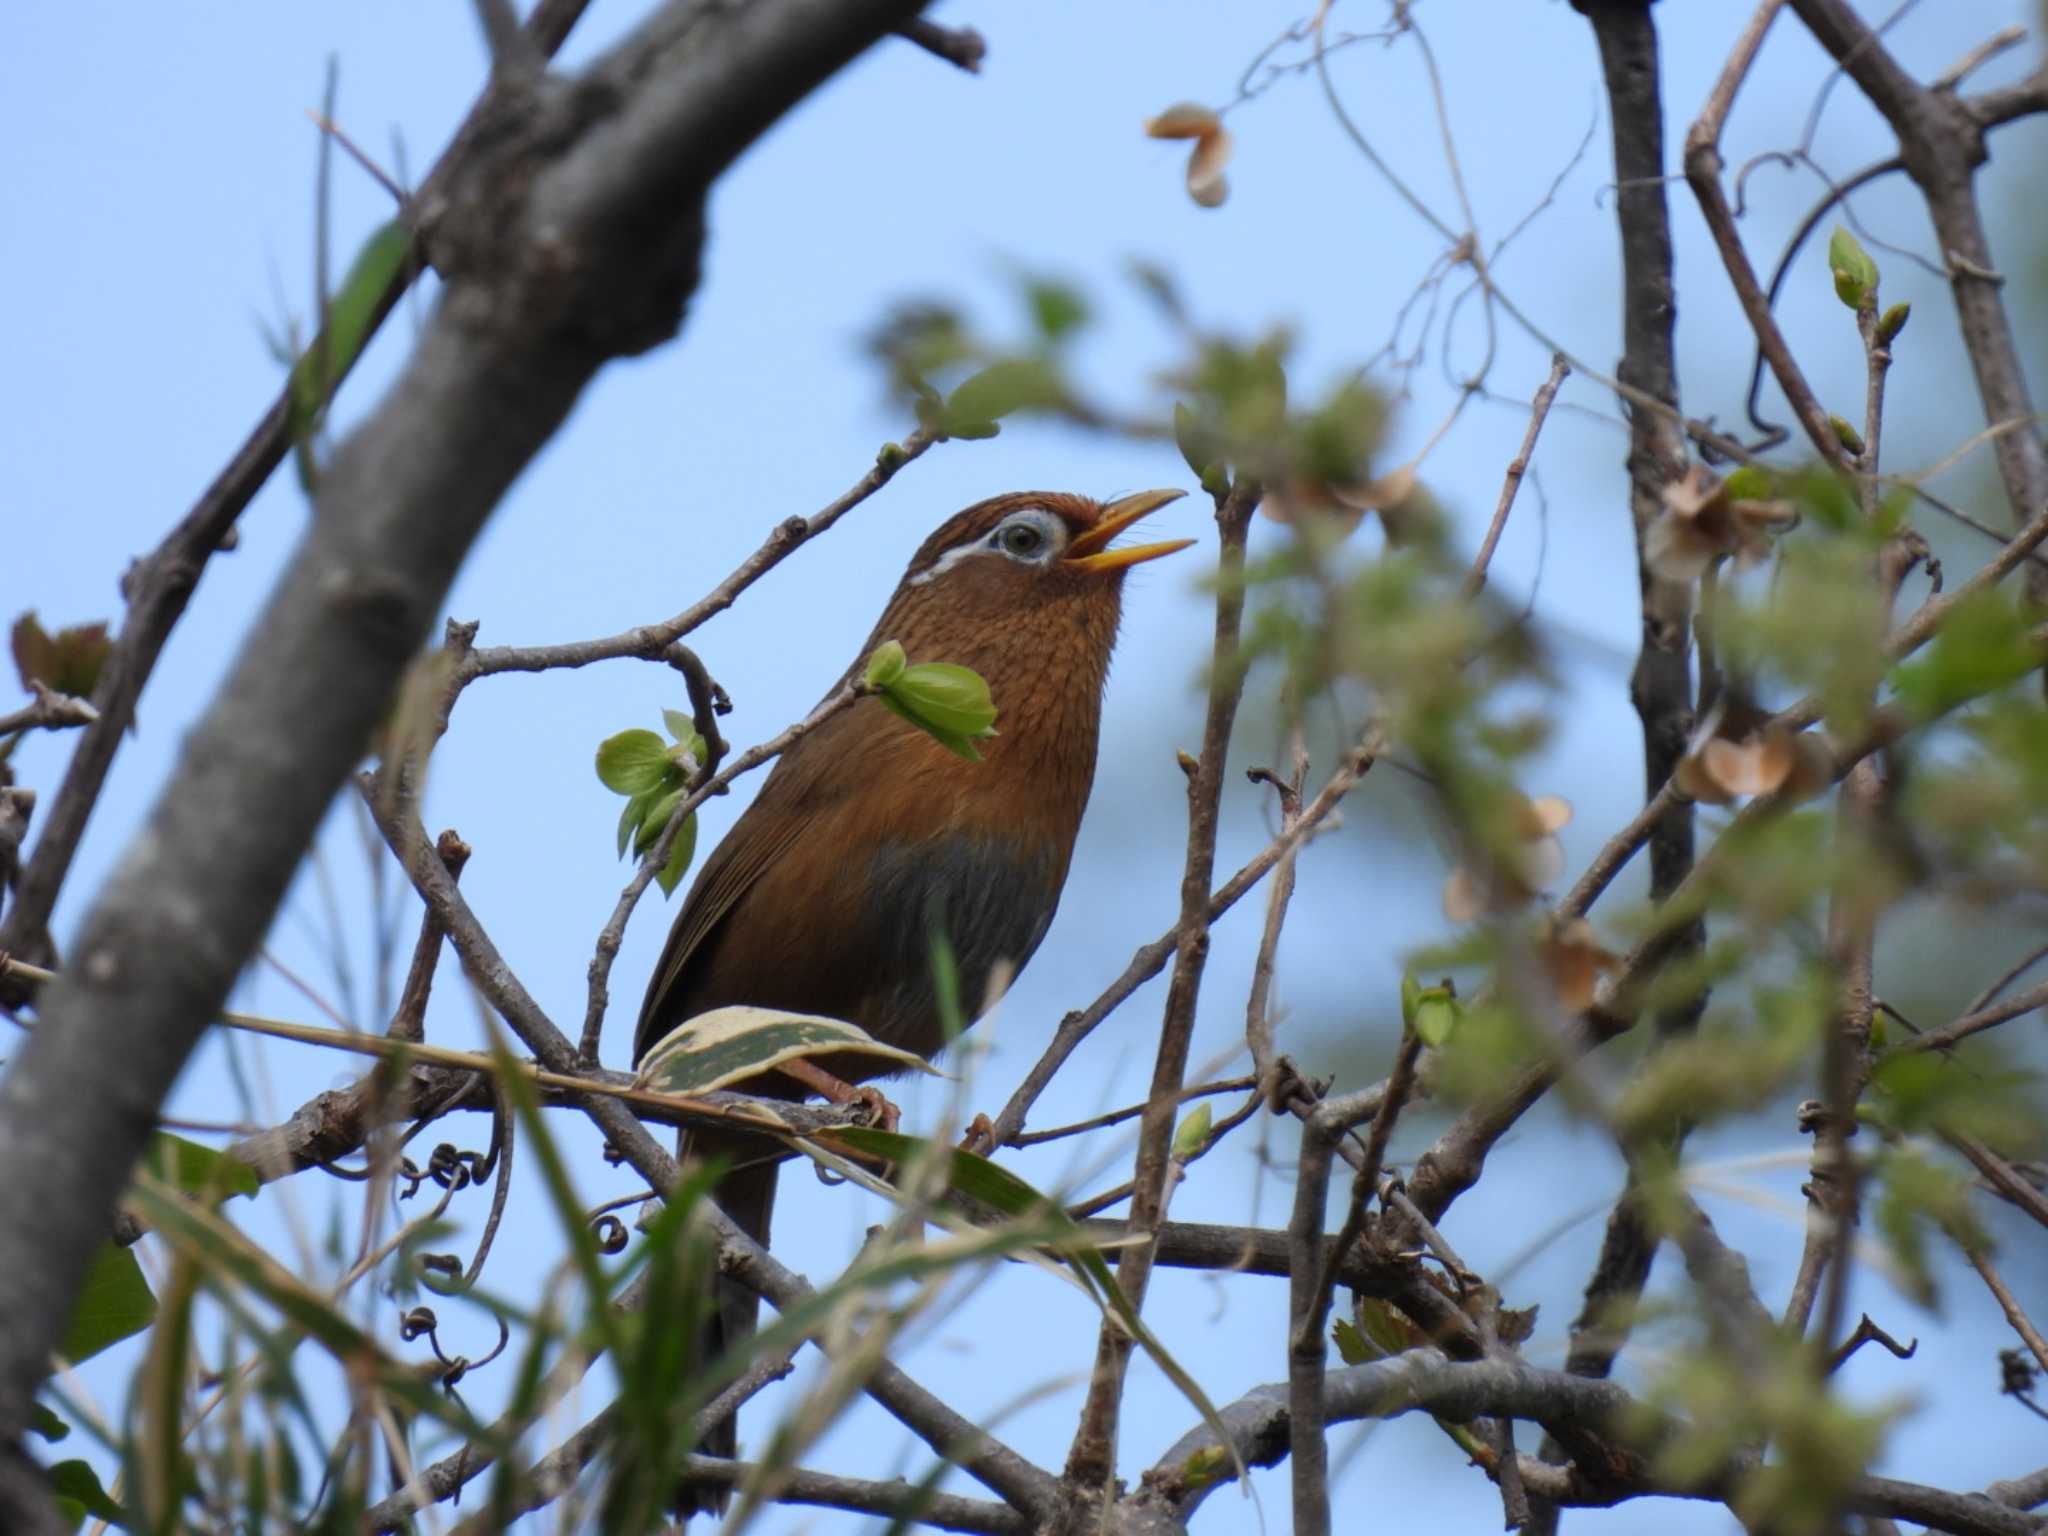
(421, 1322)
(609, 1233)
(448, 1167)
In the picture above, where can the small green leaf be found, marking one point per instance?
(1354, 1346)
(631, 817)
(1436, 1017)
(1380, 1330)
(1205, 1468)
(1893, 321)
(1201, 445)
(949, 698)
(886, 665)
(1192, 1134)
(114, 1302)
(1985, 644)
(1845, 434)
(198, 1170)
(1002, 388)
(1411, 998)
(974, 431)
(1056, 309)
(1855, 273)
(685, 849)
(350, 314)
(1749, 482)
(44, 1421)
(76, 1481)
(632, 762)
(67, 662)
(681, 729)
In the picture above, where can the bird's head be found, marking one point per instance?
(1030, 554)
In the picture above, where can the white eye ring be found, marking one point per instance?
(1031, 537)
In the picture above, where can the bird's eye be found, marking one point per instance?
(1020, 539)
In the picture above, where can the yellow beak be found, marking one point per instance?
(1089, 552)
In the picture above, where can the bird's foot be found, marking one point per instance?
(981, 1136)
(879, 1111)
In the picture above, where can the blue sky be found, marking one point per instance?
(159, 171)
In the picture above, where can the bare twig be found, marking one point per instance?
(1129, 1112)
(961, 46)
(1150, 960)
(1868, 1332)
(49, 711)
(1971, 1023)
(1518, 466)
(652, 641)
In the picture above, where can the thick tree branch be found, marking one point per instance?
(570, 238)
(159, 586)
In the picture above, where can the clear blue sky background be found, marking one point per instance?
(159, 178)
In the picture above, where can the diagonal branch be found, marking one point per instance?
(570, 238)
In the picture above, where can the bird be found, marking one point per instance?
(870, 840)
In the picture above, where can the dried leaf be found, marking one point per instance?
(1206, 184)
(1182, 120)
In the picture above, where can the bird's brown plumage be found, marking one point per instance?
(869, 838)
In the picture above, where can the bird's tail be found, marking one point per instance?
(747, 1195)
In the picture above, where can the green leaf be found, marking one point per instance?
(198, 1170)
(66, 662)
(632, 816)
(886, 665)
(1201, 445)
(959, 746)
(1749, 482)
(43, 1421)
(1855, 273)
(1891, 322)
(661, 804)
(1379, 1330)
(1056, 309)
(632, 762)
(1985, 644)
(1353, 1345)
(1205, 1468)
(114, 1303)
(1002, 388)
(670, 874)
(944, 698)
(1192, 1134)
(351, 312)
(682, 730)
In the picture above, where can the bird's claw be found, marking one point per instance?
(875, 1109)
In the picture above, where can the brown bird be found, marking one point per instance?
(870, 839)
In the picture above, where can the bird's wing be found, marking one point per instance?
(753, 846)
(803, 787)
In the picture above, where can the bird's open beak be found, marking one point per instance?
(1089, 552)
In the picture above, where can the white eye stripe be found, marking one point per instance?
(1052, 538)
